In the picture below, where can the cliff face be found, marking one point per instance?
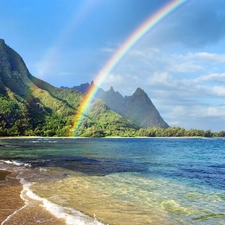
(13, 72)
(138, 108)
(27, 103)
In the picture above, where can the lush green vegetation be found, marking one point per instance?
(18, 118)
(177, 132)
(117, 129)
(32, 107)
(102, 122)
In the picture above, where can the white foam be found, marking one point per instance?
(10, 216)
(3, 168)
(70, 216)
(15, 212)
(15, 163)
(42, 141)
(43, 169)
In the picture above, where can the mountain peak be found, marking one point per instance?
(30, 106)
(138, 108)
(139, 92)
(111, 89)
(2, 42)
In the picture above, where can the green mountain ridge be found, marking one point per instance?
(138, 108)
(30, 106)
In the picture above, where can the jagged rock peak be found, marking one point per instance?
(111, 89)
(139, 92)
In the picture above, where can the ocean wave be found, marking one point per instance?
(70, 215)
(16, 163)
(42, 140)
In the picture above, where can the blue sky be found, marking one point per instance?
(180, 63)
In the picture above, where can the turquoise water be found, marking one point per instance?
(122, 180)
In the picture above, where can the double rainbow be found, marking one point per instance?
(152, 21)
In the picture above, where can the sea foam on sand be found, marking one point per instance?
(70, 216)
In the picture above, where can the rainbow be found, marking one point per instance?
(118, 55)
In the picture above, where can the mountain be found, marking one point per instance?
(83, 88)
(30, 106)
(138, 108)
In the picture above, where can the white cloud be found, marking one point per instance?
(184, 67)
(162, 78)
(155, 60)
(214, 77)
(164, 72)
(119, 83)
(182, 88)
(207, 111)
(218, 91)
(216, 111)
(196, 116)
(113, 79)
(203, 57)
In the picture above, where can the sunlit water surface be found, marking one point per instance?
(122, 181)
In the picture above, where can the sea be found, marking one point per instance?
(120, 181)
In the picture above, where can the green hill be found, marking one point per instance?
(30, 106)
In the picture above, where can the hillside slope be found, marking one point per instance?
(30, 106)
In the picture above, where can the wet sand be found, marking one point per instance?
(16, 209)
(10, 195)
(3, 174)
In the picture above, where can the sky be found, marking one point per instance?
(179, 63)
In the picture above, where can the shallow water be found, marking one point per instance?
(121, 181)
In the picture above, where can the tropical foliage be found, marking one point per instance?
(32, 107)
(177, 132)
(20, 119)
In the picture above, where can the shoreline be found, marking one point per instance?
(19, 205)
(15, 209)
(29, 207)
(108, 137)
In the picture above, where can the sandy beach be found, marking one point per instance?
(14, 210)
(3, 174)
(10, 190)
(117, 181)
